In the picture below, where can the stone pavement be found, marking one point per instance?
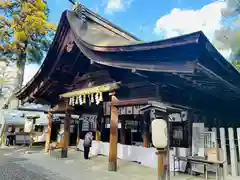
(12, 169)
(75, 168)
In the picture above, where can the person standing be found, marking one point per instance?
(87, 144)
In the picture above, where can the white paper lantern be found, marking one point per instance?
(159, 133)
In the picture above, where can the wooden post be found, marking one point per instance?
(98, 135)
(78, 134)
(123, 132)
(98, 129)
(161, 167)
(48, 139)
(112, 166)
(146, 142)
(66, 133)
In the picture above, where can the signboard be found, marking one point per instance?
(179, 134)
(89, 122)
(61, 117)
(131, 124)
(126, 110)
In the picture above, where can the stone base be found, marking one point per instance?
(64, 153)
(112, 166)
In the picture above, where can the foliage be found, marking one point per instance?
(25, 32)
(228, 36)
(236, 64)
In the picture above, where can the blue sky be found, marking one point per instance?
(150, 19)
(136, 16)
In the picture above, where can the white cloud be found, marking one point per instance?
(30, 71)
(117, 5)
(183, 21)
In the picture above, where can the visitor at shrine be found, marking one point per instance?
(87, 144)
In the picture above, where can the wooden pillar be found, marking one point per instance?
(123, 132)
(146, 138)
(100, 122)
(78, 133)
(48, 139)
(161, 164)
(98, 129)
(112, 166)
(66, 132)
(98, 135)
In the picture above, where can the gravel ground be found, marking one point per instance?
(12, 167)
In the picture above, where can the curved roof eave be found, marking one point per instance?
(47, 59)
(60, 28)
(229, 72)
(214, 62)
(76, 22)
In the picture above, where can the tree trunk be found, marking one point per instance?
(20, 72)
(19, 78)
(13, 102)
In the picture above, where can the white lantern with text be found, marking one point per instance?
(159, 133)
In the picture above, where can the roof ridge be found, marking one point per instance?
(104, 20)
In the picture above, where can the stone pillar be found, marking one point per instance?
(48, 138)
(113, 135)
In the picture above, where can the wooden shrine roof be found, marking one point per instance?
(187, 64)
